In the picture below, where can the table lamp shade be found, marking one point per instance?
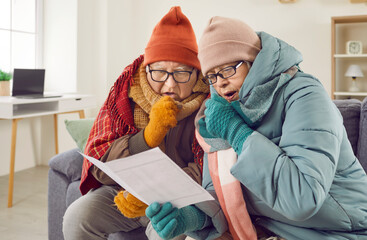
(354, 71)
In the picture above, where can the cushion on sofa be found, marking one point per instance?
(137, 234)
(79, 130)
(350, 110)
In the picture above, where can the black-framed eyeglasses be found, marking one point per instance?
(223, 73)
(162, 75)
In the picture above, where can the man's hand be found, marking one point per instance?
(170, 222)
(162, 118)
(129, 205)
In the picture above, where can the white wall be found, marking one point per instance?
(89, 42)
(305, 24)
(60, 45)
(35, 139)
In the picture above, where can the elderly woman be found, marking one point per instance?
(153, 103)
(286, 152)
(277, 153)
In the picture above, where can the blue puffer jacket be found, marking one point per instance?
(300, 177)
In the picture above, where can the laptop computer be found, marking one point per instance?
(29, 83)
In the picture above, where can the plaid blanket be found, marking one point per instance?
(115, 119)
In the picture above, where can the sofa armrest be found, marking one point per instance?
(362, 149)
(68, 163)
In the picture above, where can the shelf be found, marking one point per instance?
(349, 19)
(35, 109)
(350, 56)
(350, 93)
(344, 29)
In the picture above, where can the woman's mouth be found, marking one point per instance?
(230, 96)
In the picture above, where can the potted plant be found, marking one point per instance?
(5, 78)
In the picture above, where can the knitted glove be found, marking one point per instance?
(162, 118)
(129, 206)
(170, 222)
(224, 122)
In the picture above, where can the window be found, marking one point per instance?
(19, 34)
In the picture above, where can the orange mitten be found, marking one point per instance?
(129, 205)
(162, 118)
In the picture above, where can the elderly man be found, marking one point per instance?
(153, 103)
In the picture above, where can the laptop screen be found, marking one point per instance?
(28, 81)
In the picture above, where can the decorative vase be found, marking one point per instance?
(4, 88)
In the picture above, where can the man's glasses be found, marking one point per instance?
(162, 75)
(223, 73)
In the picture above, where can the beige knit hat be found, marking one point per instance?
(227, 40)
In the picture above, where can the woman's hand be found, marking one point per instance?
(224, 122)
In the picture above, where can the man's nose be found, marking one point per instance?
(170, 82)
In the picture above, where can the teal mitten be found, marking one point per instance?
(170, 222)
(223, 121)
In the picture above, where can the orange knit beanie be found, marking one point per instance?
(173, 39)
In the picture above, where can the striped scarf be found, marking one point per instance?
(221, 157)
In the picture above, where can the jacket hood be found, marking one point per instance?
(275, 57)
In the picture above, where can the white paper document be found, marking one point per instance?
(152, 176)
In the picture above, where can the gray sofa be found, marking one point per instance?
(65, 170)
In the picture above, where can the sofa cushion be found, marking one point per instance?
(137, 234)
(68, 163)
(362, 145)
(79, 130)
(350, 110)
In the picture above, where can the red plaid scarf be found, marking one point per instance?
(115, 119)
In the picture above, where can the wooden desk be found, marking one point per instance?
(15, 109)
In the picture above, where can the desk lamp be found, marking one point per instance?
(354, 71)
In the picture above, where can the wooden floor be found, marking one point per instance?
(27, 219)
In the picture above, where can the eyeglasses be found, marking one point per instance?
(223, 73)
(162, 75)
